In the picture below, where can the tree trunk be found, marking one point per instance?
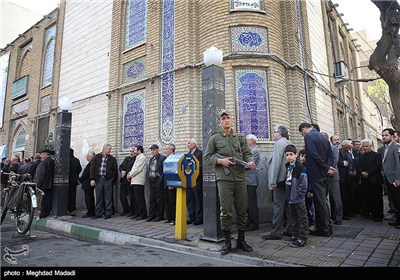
(384, 59)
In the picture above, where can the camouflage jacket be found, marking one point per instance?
(223, 145)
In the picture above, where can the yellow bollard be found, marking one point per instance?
(180, 219)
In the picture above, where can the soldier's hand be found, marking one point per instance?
(251, 165)
(225, 161)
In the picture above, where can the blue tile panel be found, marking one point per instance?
(167, 64)
(252, 102)
(133, 119)
(136, 27)
(134, 70)
(249, 39)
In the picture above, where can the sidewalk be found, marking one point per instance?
(356, 243)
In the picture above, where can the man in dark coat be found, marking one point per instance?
(125, 187)
(319, 164)
(87, 188)
(44, 180)
(103, 176)
(75, 169)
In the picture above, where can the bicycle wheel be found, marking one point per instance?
(24, 213)
(4, 208)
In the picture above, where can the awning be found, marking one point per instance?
(3, 150)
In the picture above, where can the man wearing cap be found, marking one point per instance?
(44, 180)
(224, 147)
(156, 203)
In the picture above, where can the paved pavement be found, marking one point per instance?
(358, 242)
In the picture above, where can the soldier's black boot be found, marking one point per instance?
(228, 245)
(241, 244)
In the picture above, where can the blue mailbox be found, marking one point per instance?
(171, 170)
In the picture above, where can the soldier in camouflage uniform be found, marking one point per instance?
(225, 151)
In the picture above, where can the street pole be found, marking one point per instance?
(213, 100)
(61, 161)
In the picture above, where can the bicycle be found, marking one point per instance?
(19, 197)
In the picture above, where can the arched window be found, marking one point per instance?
(48, 60)
(48, 63)
(20, 140)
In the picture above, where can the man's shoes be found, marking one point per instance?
(172, 223)
(131, 215)
(189, 221)
(167, 221)
(134, 217)
(271, 237)
(397, 226)
(96, 217)
(157, 220)
(377, 220)
(285, 233)
(142, 218)
(337, 222)
(297, 243)
(392, 224)
(198, 222)
(392, 211)
(123, 213)
(72, 213)
(149, 219)
(346, 218)
(107, 217)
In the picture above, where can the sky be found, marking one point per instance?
(40, 6)
(361, 15)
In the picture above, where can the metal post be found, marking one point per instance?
(61, 164)
(213, 100)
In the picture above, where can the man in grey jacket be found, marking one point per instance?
(276, 182)
(391, 170)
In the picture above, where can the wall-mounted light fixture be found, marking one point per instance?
(213, 56)
(21, 35)
(354, 39)
(36, 26)
(345, 24)
(349, 29)
(340, 15)
(47, 16)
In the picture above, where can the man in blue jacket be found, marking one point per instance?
(319, 164)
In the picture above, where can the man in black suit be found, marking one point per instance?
(369, 167)
(319, 164)
(44, 180)
(125, 185)
(194, 196)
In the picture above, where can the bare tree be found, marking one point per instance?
(385, 58)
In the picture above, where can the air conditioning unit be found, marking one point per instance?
(340, 72)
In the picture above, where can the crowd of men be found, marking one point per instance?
(326, 181)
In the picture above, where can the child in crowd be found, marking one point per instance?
(309, 195)
(296, 188)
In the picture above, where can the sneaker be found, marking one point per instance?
(297, 243)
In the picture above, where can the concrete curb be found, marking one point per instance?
(95, 235)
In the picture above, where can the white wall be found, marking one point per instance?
(85, 67)
(319, 59)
